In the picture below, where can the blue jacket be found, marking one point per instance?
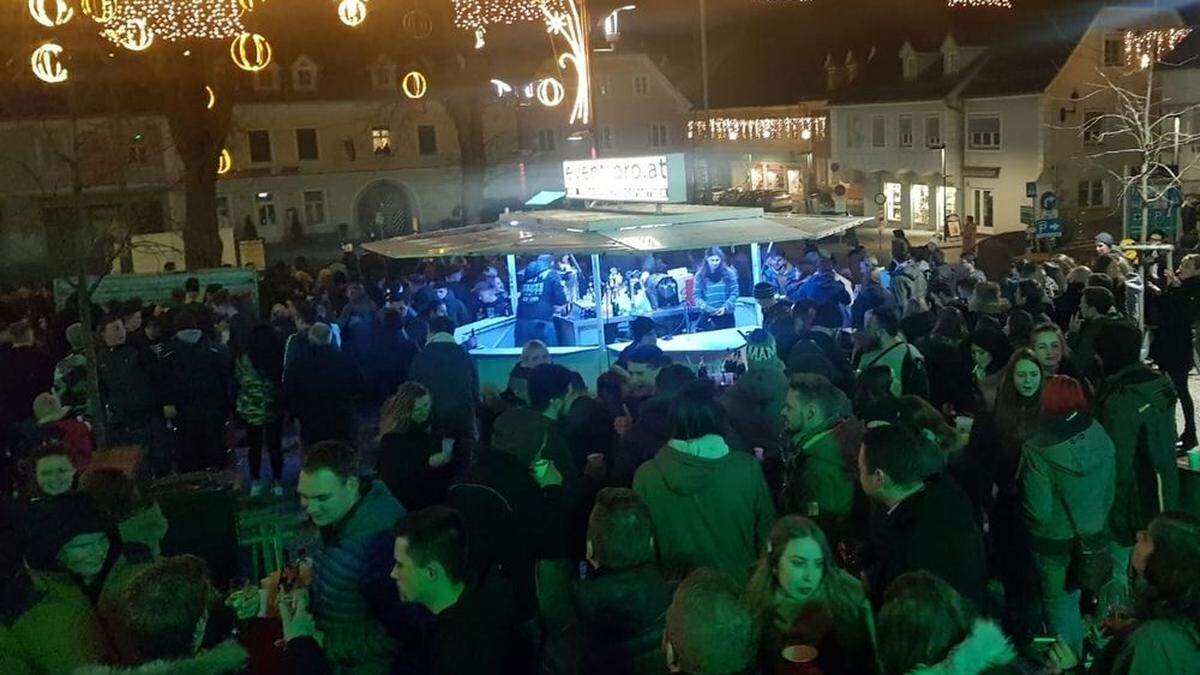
(829, 294)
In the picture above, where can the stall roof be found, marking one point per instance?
(632, 229)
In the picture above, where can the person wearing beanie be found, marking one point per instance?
(761, 351)
(1106, 251)
(59, 614)
(70, 382)
(513, 503)
(198, 394)
(56, 422)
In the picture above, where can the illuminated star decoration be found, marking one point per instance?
(563, 20)
(173, 20)
(1144, 47)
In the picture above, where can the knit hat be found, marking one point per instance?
(47, 408)
(76, 337)
(763, 291)
(760, 385)
(761, 351)
(1106, 239)
(520, 432)
(51, 522)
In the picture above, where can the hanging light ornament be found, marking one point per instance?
(475, 14)
(250, 52)
(1144, 47)
(550, 92)
(47, 64)
(100, 11)
(418, 24)
(50, 13)
(999, 4)
(173, 20)
(414, 85)
(131, 33)
(352, 12)
(212, 97)
(224, 162)
(567, 24)
(249, 5)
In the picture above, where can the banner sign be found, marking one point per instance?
(657, 178)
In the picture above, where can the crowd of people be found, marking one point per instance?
(917, 470)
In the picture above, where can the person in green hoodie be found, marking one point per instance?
(710, 507)
(1067, 478)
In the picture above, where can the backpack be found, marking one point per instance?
(1137, 409)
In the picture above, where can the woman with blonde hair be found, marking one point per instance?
(800, 597)
(413, 460)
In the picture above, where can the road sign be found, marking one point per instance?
(1031, 190)
(1049, 228)
(1164, 214)
(1049, 201)
(1026, 215)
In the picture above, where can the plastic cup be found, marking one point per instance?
(540, 466)
(1194, 459)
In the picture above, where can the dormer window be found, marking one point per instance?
(267, 79)
(383, 76)
(304, 74)
(910, 67)
(951, 62)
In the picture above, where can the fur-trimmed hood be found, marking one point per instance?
(228, 657)
(984, 648)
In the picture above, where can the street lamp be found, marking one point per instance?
(941, 208)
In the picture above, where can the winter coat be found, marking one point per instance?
(933, 530)
(870, 297)
(71, 384)
(651, 430)
(50, 624)
(985, 650)
(1137, 408)
(448, 372)
(621, 615)
(822, 470)
(404, 467)
(351, 564)
(357, 321)
(228, 657)
(1156, 647)
(948, 364)
(1070, 459)
(829, 295)
(842, 636)
(908, 283)
(128, 377)
(320, 390)
(909, 375)
(28, 371)
(198, 381)
(257, 395)
(1178, 310)
(1083, 343)
(710, 507)
(391, 355)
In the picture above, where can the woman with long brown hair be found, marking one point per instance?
(800, 597)
(413, 460)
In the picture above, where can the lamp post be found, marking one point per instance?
(941, 197)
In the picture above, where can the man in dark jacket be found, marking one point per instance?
(1173, 346)
(621, 608)
(321, 389)
(456, 309)
(448, 372)
(827, 293)
(541, 296)
(27, 370)
(710, 628)
(129, 390)
(198, 395)
(391, 356)
(927, 525)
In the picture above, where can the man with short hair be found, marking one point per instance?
(27, 370)
(927, 525)
(642, 331)
(321, 389)
(781, 275)
(710, 630)
(71, 373)
(827, 293)
(448, 372)
(351, 595)
(475, 628)
(198, 395)
(541, 297)
(620, 608)
(824, 434)
(1097, 314)
(455, 309)
(644, 363)
(888, 347)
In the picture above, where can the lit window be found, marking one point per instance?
(933, 131)
(919, 203)
(905, 131)
(265, 201)
(304, 74)
(892, 192)
(381, 140)
(983, 208)
(314, 207)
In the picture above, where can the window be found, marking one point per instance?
(910, 67)
(905, 131)
(267, 79)
(265, 201)
(605, 141)
(641, 85)
(314, 207)
(605, 85)
(933, 131)
(658, 135)
(855, 137)
(918, 196)
(137, 149)
(892, 192)
(1114, 50)
(383, 77)
(381, 140)
(427, 139)
(983, 132)
(223, 207)
(1093, 127)
(1092, 193)
(878, 132)
(260, 146)
(951, 62)
(546, 140)
(306, 144)
(304, 74)
(982, 208)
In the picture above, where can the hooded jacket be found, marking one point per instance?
(821, 472)
(1070, 459)
(710, 507)
(229, 657)
(828, 293)
(621, 615)
(984, 650)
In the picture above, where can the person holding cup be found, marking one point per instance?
(802, 598)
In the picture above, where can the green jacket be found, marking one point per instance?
(710, 507)
(819, 471)
(51, 626)
(1156, 647)
(1068, 459)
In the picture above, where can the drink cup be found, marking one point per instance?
(798, 660)
(1193, 457)
(539, 468)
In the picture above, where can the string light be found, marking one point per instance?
(212, 97)
(758, 129)
(47, 64)
(414, 85)
(249, 5)
(1144, 47)
(100, 11)
(565, 23)
(173, 20)
(250, 52)
(1000, 4)
(352, 12)
(50, 13)
(550, 92)
(224, 162)
(131, 33)
(475, 14)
